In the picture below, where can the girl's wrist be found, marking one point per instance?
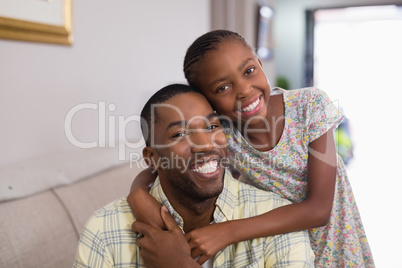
(239, 231)
(232, 230)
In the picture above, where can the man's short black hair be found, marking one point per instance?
(160, 96)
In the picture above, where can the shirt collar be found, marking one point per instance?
(225, 202)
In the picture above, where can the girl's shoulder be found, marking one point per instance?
(313, 109)
(309, 98)
(307, 93)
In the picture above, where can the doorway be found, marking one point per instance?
(355, 55)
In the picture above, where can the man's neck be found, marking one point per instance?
(195, 215)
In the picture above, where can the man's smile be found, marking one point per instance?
(207, 167)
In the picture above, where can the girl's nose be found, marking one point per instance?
(243, 90)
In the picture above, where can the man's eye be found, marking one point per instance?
(222, 88)
(211, 127)
(249, 71)
(179, 135)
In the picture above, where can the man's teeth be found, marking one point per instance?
(251, 106)
(208, 167)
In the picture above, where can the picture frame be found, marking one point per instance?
(44, 21)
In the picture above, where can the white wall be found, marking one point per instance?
(290, 32)
(123, 51)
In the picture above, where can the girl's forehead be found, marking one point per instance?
(226, 55)
(228, 49)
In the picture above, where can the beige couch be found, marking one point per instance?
(42, 218)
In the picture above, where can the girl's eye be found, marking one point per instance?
(222, 88)
(249, 71)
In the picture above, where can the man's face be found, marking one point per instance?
(188, 147)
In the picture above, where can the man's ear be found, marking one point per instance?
(150, 157)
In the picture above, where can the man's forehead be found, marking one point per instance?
(185, 107)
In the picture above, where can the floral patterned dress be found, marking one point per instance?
(309, 113)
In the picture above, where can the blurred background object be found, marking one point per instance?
(343, 141)
(282, 82)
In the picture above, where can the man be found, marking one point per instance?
(186, 145)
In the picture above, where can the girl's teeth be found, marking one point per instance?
(251, 106)
(207, 167)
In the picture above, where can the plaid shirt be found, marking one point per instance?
(108, 241)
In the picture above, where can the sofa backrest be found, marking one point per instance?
(42, 230)
(36, 232)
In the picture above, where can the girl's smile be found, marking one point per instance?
(251, 107)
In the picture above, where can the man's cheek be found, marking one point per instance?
(180, 163)
(220, 140)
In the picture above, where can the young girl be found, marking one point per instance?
(281, 141)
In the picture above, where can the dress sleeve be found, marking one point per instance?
(322, 114)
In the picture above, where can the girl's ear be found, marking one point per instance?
(150, 157)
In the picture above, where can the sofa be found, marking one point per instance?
(45, 202)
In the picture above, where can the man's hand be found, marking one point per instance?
(164, 248)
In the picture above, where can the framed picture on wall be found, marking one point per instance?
(264, 32)
(46, 21)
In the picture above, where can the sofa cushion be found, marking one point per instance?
(54, 170)
(83, 198)
(36, 232)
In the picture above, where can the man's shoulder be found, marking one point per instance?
(279, 250)
(116, 206)
(255, 193)
(250, 195)
(107, 237)
(117, 211)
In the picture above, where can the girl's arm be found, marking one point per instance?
(144, 206)
(315, 211)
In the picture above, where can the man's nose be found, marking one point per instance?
(201, 141)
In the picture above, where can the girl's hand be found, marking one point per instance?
(163, 248)
(207, 241)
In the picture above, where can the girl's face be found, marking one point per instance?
(232, 79)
